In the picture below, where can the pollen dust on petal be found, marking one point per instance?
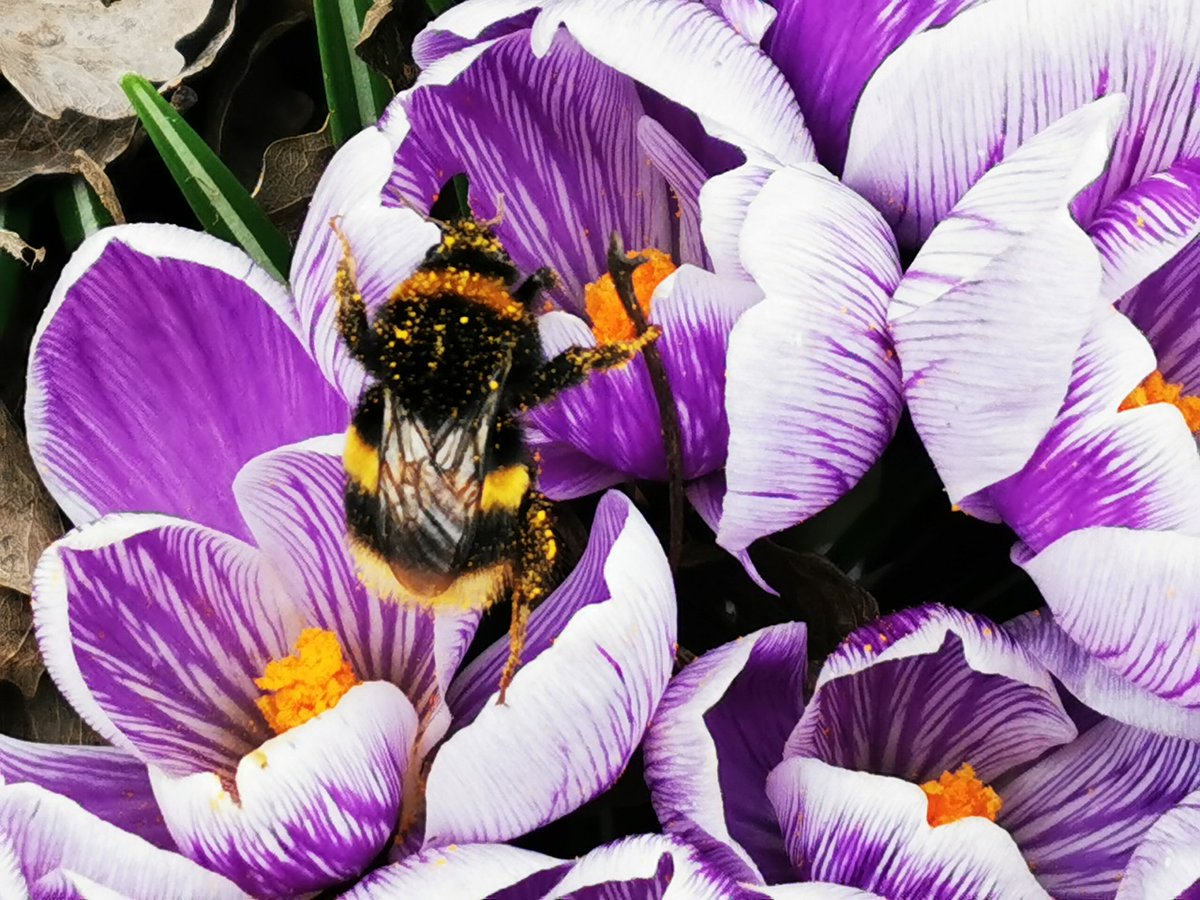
(610, 322)
(307, 683)
(1156, 389)
(957, 795)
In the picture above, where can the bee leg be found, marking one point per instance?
(526, 292)
(574, 364)
(352, 321)
(539, 550)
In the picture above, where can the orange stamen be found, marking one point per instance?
(307, 683)
(610, 322)
(958, 795)
(1156, 389)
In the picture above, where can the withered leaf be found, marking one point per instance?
(385, 43)
(33, 144)
(93, 173)
(51, 720)
(20, 661)
(290, 172)
(71, 54)
(29, 520)
(14, 245)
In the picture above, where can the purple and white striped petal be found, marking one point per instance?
(1132, 599)
(813, 390)
(720, 729)
(466, 872)
(646, 867)
(1078, 813)
(1165, 307)
(387, 242)
(1146, 226)
(815, 890)
(552, 142)
(471, 23)
(693, 56)
(1165, 863)
(64, 851)
(870, 832)
(166, 359)
(685, 177)
(292, 499)
(1098, 466)
(993, 309)
(1095, 684)
(923, 691)
(613, 417)
(313, 806)
(155, 629)
(1001, 72)
(106, 782)
(724, 202)
(829, 49)
(599, 656)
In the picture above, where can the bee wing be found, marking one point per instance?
(431, 482)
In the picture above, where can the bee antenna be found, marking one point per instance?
(408, 204)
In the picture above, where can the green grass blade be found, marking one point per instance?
(224, 207)
(80, 212)
(356, 94)
(437, 7)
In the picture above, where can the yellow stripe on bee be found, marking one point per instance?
(505, 488)
(471, 590)
(485, 289)
(361, 461)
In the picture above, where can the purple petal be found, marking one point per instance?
(592, 690)
(106, 782)
(467, 24)
(387, 242)
(613, 417)
(707, 496)
(1099, 466)
(467, 872)
(61, 849)
(694, 57)
(923, 691)
(1080, 811)
(815, 890)
(646, 867)
(829, 49)
(814, 387)
(1165, 863)
(556, 138)
(870, 832)
(1000, 73)
(685, 177)
(1164, 307)
(720, 729)
(155, 629)
(993, 309)
(313, 806)
(1146, 226)
(165, 360)
(1095, 684)
(292, 499)
(1132, 599)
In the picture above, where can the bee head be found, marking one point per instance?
(468, 245)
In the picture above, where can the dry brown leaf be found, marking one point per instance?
(29, 520)
(290, 171)
(20, 661)
(71, 54)
(93, 173)
(33, 144)
(14, 245)
(51, 720)
(385, 43)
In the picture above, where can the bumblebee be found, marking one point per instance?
(440, 499)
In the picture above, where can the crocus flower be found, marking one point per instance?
(769, 281)
(281, 721)
(934, 758)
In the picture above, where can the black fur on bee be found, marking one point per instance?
(440, 498)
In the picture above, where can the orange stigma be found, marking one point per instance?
(1156, 389)
(610, 322)
(958, 795)
(307, 683)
